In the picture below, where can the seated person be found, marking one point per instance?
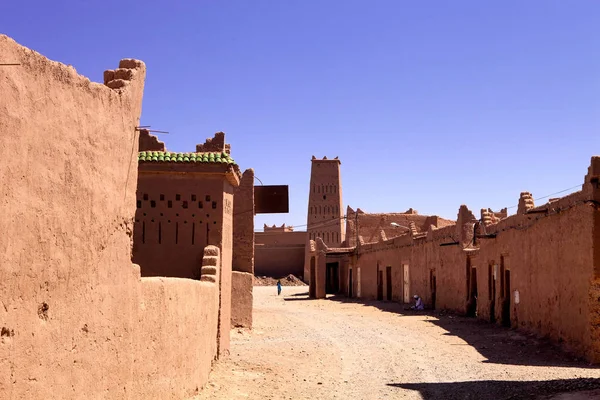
(418, 303)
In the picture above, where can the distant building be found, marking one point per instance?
(279, 251)
(536, 270)
(325, 208)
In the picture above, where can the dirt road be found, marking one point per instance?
(339, 349)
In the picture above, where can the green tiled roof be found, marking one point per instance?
(167, 156)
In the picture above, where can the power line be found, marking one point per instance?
(548, 195)
(330, 222)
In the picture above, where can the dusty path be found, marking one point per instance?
(337, 349)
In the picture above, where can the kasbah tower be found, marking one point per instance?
(325, 218)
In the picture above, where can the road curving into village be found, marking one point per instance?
(340, 349)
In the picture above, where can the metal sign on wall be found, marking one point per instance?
(272, 199)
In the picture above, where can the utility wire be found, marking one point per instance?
(330, 222)
(548, 195)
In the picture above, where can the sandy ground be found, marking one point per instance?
(341, 349)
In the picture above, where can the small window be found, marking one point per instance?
(152, 203)
(193, 197)
(145, 196)
(170, 204)
(324, 197)
(185, 204)
(214, 204)
(139, 204)
(177, 197)
(200, 205)
(208, 197)
(162, 197)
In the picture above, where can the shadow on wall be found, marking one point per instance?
(499, 390)
(499, 345)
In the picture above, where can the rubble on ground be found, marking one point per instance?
(289, 280)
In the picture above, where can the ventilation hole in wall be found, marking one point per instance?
(207, 215)
(214, 204)
(152, 203)
(152, 220)
(144, 232)
(144, 214)
(169, 221)
(176, 232)
(207, 197)
(185, 222)
(185, 204)
(162, 197)
(159, 233)
(193, 232)
(145, 196)
(193, 215)
(177, 197)
(193, 197)
(215, 222)
(199, 222)
(139, 204)
(170, 204)
(162, 215)
(200, 204)
(177, 214)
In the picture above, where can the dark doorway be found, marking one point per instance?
(388, 283)
(433, 285)
(312, 288)
(350, 283)
(506, 299)
(379, 284)
(332, 279)
(492, 291)
(472, 303)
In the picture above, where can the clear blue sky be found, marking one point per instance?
(429, 105)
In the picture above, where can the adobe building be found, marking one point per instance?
(279, 251)
(325, 218)
(185, 202)
(74, 304)
(537, 270)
